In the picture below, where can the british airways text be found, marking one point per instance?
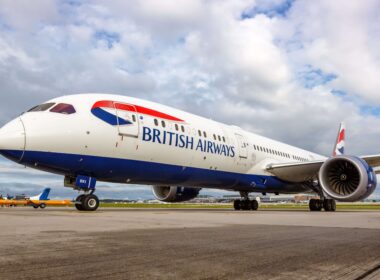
(187, 142)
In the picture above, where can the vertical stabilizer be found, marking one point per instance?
(42, 196)
(340, 139)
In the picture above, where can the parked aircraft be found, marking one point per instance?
(100, 137)
(36, 201)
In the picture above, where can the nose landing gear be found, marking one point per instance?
(87, 202)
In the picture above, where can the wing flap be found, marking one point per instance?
(295, 172)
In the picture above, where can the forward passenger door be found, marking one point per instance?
(128, 119)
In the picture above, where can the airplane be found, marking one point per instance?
(37, 201)
(112, 138)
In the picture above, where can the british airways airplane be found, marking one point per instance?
(111, 138)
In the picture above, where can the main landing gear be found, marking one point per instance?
(245, 203)
(87, 202)
(317, 204)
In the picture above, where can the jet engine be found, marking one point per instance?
(174, 194)
(347, 178)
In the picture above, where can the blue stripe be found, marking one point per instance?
(150, 173)
(108, 117)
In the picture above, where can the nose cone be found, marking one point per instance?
(12, 140)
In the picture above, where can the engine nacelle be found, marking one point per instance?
(347, 178)
(174, 194)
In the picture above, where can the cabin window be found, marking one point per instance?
(182, 128)
(63, 108)
(133, 118)
(163, 123)
(156, 122)
(42, 107)
(205, 134)
(219, 138)
(199, 133)
(224, 139)
(214, 136)
(176, 127)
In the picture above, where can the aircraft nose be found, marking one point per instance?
(13, 140)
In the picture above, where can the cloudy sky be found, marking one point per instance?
(290, 70)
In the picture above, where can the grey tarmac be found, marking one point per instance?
(62, 243)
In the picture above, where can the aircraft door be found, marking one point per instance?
(242, 143)
(127, 119)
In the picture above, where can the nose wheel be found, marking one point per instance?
(87, 202)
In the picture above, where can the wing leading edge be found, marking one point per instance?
(305, 171)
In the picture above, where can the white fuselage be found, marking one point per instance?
(128, 140)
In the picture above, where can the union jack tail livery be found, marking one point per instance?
(339, 144)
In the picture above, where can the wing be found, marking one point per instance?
(304, 171)
(295, 172)
(372, 160)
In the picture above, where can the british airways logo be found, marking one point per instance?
(112, 112)
(186, 142)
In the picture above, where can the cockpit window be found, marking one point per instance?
(42, 107)
(63, 108)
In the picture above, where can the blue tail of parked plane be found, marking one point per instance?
(42, 196)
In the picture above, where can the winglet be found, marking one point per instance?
(339, 144)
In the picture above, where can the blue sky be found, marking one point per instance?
(291, 70)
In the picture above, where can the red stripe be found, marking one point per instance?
(341, 136)
(134, 108)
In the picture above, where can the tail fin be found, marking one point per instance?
(42, 196)
(340, 139)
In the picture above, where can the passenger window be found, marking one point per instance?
(176, 127)
(214, 136)
(204, 134)
(63, 108)
(156, 122)
(224, 139)
(219, 138)
(42, 107)
(163, 123)
(199, 133)
(182, 128)
(133, 118)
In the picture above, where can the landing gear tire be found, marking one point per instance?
(246, 204)
(329, 205)
(90, 202)
(35, 206)
(254, 205)
(42, 205)
(315, 205)
(237, 205)
(79, 205)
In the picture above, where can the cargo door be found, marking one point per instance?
(127, 119)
